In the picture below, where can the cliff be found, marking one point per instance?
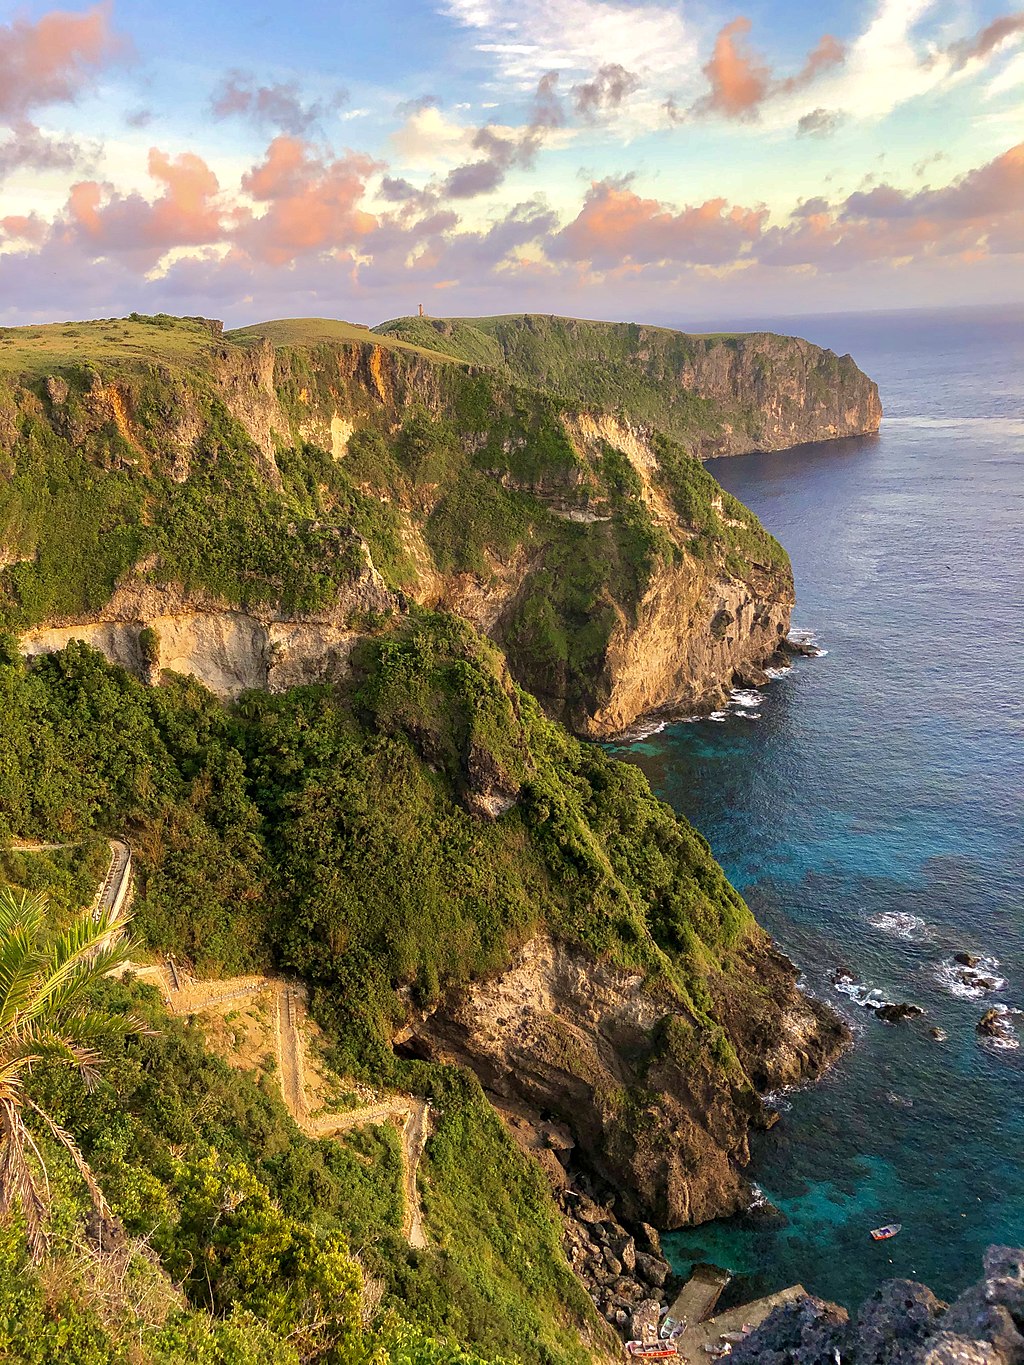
(717, 394)
(244, 506)
(659, 1100)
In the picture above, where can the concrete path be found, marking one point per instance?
(113, 891)
(414, 1115)
(698, 1296)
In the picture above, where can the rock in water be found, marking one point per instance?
(895, 1014)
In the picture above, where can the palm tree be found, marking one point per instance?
(46, 1016)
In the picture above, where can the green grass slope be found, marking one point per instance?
(733, 382)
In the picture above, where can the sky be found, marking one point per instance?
(651, 160)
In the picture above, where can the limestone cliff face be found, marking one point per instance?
(148, 629)
(693, 637)
(779, 392)
(582, 1041)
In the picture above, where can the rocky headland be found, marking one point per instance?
(569, 521)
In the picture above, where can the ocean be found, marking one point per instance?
(869, 804)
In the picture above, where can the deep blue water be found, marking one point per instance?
(886, 778)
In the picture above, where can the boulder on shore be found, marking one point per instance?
(902, 1323)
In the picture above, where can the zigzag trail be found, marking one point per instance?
(184, 995)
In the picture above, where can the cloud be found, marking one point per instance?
(740, 82)
(610, 86)
(397, 190)
(505, 149)
(185, 213)
(986, 193)
(528, 38)
(986, 40)
(410, 107)
(427, 139)
(820, 123)
(616, 226)
(312, 202)
(827, 52)
(54, 59)
(976, 215)
(28, 148)
(277, 106)
(811, 208)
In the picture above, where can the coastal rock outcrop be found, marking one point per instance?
(150, 629)
(655, 1110)
(903, 1323)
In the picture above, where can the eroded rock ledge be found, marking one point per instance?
(656, 1108)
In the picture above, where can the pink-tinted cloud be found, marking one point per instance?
(739, 81)
(52, 60)
(615, 226)
(828, 52)
(185, 214)
(985, 193)
(977, 215)
(312, 201)
(986, 40)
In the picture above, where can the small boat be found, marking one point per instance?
(652, 1350)
(883, 1233)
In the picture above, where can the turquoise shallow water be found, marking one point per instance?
(882, 779)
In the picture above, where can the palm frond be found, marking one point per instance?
(24, 909)
(17, 1179)
(46, 1015)
(74, 1151)
(20, 961)
(79, 955)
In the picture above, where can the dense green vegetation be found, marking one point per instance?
(616, 367)
(353, 812)
(236, 1236)
(334, 833)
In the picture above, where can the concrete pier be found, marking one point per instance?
(692, 1340)
(698, 1296)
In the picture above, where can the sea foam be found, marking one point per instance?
(901, 924)
(970, 983)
